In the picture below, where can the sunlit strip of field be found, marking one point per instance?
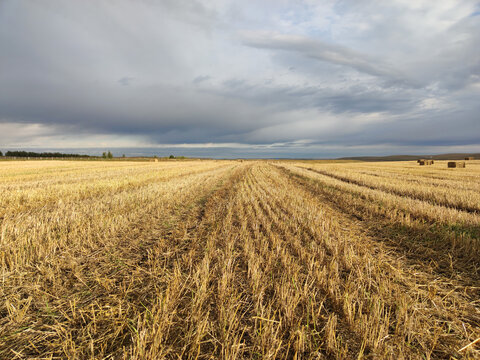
(98, 180)
(446, 192)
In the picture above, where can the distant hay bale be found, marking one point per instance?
(469, 158)
(456, 164)
(425, 162)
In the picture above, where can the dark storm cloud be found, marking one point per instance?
(273, 75)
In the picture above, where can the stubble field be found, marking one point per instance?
(233, 260)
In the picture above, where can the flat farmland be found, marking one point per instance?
(239, 260)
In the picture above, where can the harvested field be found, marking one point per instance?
(239, 260)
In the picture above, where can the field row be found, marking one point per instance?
(457, 188)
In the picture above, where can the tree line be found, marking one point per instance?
(105, 155)
(43, 154)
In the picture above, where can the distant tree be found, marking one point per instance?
(123, 155)
(1, 154)
(171, 157)
(104, 155)
(109, 155)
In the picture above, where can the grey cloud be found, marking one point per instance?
(125, 81)
(202, 78)
(355, 99)
(319, 50)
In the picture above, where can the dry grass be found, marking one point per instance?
(243, 259)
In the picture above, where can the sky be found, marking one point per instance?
(224, 78)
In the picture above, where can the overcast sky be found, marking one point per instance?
(266, 77)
